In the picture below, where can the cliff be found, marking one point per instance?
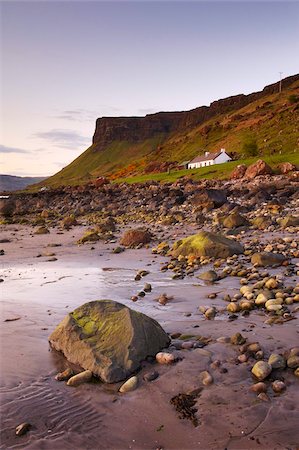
(134, 129)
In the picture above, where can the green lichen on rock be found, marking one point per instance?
(108, 338)
(207, 244)
(89, 236)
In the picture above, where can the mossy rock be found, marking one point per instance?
(108, 338)
(289, 221)
(89, 236)
(207, 244)
(42, 230)
(262, 222)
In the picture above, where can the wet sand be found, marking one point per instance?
(39, 293)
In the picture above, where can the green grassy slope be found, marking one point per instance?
(219, 171)
(272, 120)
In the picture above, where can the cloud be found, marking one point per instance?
(86, 115)
(5, 149)
(64, 138)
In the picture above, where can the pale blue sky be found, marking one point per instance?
(66, 63)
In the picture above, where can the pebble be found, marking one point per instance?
(293, 361)
(277, 361)
(151, 376)
(129, 385)
(165, 358)
(147, 287)
(261, 370)
(233, 307)
(237, 339)
(65, 375)
(80, 378)
(264, 397)
(259, 387)
(278, 386)
(206, 378)
(23, 428)
(210, 313)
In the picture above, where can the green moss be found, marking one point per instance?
(89, 236)
(206, 244)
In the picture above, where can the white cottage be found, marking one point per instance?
(208, 159)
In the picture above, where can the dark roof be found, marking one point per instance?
(201, 158)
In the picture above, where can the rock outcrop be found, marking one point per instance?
(260, 167)
(108, 338)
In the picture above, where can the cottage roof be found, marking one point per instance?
(209, 157)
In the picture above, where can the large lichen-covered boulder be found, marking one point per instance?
(207, 244)
(108, 338)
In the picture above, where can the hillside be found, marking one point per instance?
(125, 146)
(10, 183)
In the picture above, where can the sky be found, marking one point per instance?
(64, 64)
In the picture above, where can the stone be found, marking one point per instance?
(206, 378)
(238, 172)
(272, 283)
(210, 313)
(233, 307)
(262, 222)
(65, 375)
(259, 387)
(289, 221)
(108, 338)
(209, 198)
(261, 370)
(42, 230)
(278, 386)
(210, 276)
(267, 259)
(237, 339)
(234, 220)
(293, 361)
(135, 237)
(147, 287)
(260, 167)
(80, 378)
(207, 244)
(151, 376)
(165, 358)
(277, 361)
(23, 428)
(286, 167)
(89, 236)
(130, 385)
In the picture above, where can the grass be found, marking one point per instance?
(219, 171)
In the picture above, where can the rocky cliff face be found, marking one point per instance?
(134, 129)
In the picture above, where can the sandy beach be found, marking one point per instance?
(39, 291)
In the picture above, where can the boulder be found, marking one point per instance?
(207, 244)
(260, 167)
(289, 221)
(209, 198)
(286, 167)
(234, 220)
(262, 222)
(108, 338)
(133, 238)
(267, 259)
(238, 172)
